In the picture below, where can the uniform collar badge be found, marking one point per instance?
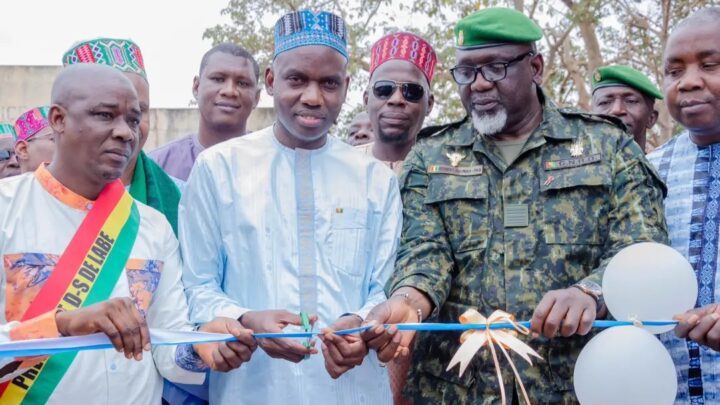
(455, 158)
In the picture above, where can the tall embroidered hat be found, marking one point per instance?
(7, 130)
(404, 46)
(305, 27)
(31, 122)
(122, 54)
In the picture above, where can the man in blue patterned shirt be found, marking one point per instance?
(690, 165)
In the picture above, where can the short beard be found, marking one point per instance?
(489, 124)
(394, 140)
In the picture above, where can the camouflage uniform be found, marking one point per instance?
(585, 190)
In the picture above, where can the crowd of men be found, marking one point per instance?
(518, 207)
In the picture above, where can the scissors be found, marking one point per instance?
(308, 328)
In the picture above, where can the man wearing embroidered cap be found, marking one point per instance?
(148, 183)
(290, 220)
(8, 161)
(399, 96)
(81, 256)
(34, 141)
(496, 216)
(627, 94)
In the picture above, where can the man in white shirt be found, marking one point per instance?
(291, 218)
(80, 256)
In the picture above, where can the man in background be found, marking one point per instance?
(34, 141)
(9, 165)
(399, 95)
(226, 90)
(627, 94)
(360, 130)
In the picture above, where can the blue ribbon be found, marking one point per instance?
(46, 347)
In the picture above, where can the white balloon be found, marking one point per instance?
(625, 365)
(649, 281)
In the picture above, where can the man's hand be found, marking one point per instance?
(226, 356)
(569, 311)
(701, 325)
(342, 353)
(389, 343)
(274, 321)
(117, 318)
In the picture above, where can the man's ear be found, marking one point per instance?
(196, 85)
(431, 104)
(56, 118)
(653, 119)
(538, 65)
(21, 150)
(269, 80)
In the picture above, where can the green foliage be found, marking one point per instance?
(580, 35)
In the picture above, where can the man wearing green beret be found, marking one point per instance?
(518, 207)
(627, 94)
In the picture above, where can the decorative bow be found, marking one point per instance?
(473, 340)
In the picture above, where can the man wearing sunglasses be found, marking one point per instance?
(8, 161)
(519, 207)
(34, 140)
(398, 97)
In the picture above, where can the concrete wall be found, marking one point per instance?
(25, 87)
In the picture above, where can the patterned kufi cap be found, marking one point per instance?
(31, 122)
(404, 46)
(305, 27)
(121, 54)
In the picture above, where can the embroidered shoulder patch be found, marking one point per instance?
(457, 171)
(572, 162)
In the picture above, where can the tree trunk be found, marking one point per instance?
(576, 74)
(584, 17)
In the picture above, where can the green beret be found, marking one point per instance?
(620, 75)
(495, 26)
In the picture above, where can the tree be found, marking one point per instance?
(580, 36)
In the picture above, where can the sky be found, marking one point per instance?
(169, 34)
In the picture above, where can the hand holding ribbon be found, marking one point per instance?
(474, 340)
(342, 352)
(274, 321)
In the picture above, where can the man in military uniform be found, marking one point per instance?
(519, 207)
(627, 94)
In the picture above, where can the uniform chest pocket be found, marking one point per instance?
(463, 205)
(348, 229)
(575, 204)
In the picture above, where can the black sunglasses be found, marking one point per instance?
(412, 92)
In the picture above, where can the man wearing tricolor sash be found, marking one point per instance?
(147, 181)
(80, 256)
